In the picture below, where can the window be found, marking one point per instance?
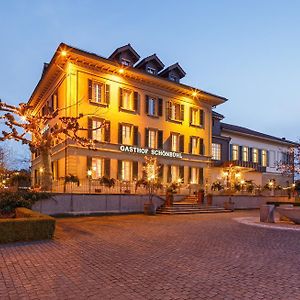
(175, 111)
(126, 170)
(152, 106)
(127, 99)
(255, 155)
(99, 92)
(235, 152)
(264, 158)
(174, 173)
(98, 131)
(194, 145)
(245, 153)
(151, 70)
(126, 134)
(125, 62)
(216, 151)
(97, 167)
(197, 117)
(194, 175)
(152, 138)
(174, 142)
(173, 78)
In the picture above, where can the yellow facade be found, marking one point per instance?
(69, 77)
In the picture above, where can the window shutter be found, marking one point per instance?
(147, 105)
(201, 176)
(120, 138)
(169, 174)
(202, 120)
(107, 131)
(160, 139)
(146, 137)
(161, 172)
(230, 152)
(107, 167)
(107, 94)
(160, 107)
(90, 128)
(120, 98)
(135, 167)
(181, 143)
(250, 154)
(189, 175)
(168, 110)
(135, 101)
(190, 145)
(181, 112)
(201, 147)
(90, 89)
(191, 113)
(89, 163)
(241, 153)
(181, 173)
(135, 136)
(119, 169)
(268, 154)
(259, 157)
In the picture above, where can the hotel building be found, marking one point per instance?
(146, 109)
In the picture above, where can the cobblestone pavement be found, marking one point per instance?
(160, 257)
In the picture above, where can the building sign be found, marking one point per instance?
(155, 152)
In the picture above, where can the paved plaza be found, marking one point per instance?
(160, 257)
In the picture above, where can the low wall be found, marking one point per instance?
(248, 202)
(80, 204)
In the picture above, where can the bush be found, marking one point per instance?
(27, 226)
(9, 201)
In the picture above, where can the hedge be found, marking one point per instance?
(27, 226)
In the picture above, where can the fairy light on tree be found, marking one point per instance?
(40, 134)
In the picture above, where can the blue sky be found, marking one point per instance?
(247, 51)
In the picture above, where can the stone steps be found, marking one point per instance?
(189, 209)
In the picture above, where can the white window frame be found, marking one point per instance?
(245, 153)
(174, 173)
(125, 62)
(195, 116)
(152, 138)
(151, 70)
(152, 109)
(175, 111)
(97, 167)
(255, 155)
(98, 134)
(195, 141)
(216, 149)
(194, 175)
(126, 170)
(175, 142)
(129, 103)
(264, 158)
(235, 152)
(127, 134)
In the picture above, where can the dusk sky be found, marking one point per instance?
(246, 51)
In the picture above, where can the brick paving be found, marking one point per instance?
(161, 257)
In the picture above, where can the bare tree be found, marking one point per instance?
(39, 133)
(291, 165)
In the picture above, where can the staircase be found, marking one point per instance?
(189, 205)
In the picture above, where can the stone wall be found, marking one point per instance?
(81, 204)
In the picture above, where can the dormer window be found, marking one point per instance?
(125, 62)
(151, 70)
(173, 78)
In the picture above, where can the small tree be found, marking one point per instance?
(39, 133)
(290, 166)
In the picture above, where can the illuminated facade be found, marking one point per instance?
(147, 111)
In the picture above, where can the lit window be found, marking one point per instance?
(216, 151)
(264, 158)
(152, 138)
(235, 152)
(175, 111)
(125, 62)
(174, 173)
(175, 142)
(245, 153)
(151, 70)
(194, 175)
(195, 145)
(126, 134)
(127, 99)
(255, 155)
(152, 106)
(126, 170)
(97, 168)
(98, 131)
(195, 117)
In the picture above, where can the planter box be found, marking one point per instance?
(27, 226)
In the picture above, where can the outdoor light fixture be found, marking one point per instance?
(242, 181)
(121, 71)
(89, 172)
(63, 53)
(41, 169)
(194, 93)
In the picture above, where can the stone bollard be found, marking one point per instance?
(267, 213)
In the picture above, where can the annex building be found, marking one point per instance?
(146, 109)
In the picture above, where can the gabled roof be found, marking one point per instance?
(125, 48)
(176, 67)
(151, 58)
(247, 131)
